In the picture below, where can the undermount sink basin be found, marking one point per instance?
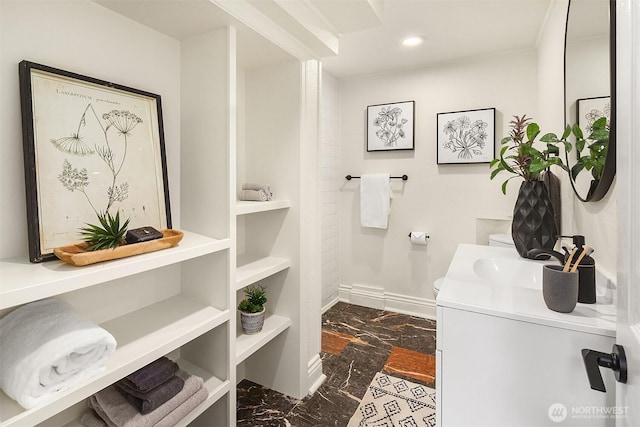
(526, 274)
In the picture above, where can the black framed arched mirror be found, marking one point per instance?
(589, 77)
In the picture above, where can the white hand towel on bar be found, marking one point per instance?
(375, 200)
(48, 347)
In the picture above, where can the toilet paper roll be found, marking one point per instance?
(419, 238)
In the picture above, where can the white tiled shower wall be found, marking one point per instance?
(330, 182)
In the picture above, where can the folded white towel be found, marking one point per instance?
(48, 347)
(375, 200)
(258, 187)
(253, 195)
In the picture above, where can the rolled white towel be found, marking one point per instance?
(259, 187)
(48, 347)
(253, 195)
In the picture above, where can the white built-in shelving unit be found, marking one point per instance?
(236, 106)
(246, 207)
(173, 319)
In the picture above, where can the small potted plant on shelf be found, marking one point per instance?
(252, 309)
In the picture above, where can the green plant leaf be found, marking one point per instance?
(110, 235)
(601, 123)
(576, 169)
(530, 151)
(504, 187)
(538, 165)
(566, 133)
(577, 131)
(495, 172)
(599, 134)
(567, 146)
(550, 137)
(532, 131)
(505, 166)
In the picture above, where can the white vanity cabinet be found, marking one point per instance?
(504, 359)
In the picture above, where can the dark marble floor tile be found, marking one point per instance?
(357, 343)
(351, 372)
(260, 406)
(327, 407)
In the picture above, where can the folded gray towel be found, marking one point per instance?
(91, 419)
(149, 377)
(257, 187)
(151, 400)
(183, 410)
(115, 411)
(253, 195)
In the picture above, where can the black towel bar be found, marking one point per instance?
(403, 177)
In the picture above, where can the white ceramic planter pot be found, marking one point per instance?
(252, 322)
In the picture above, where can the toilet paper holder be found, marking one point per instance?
(426, 236)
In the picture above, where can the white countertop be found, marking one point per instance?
(516, 292)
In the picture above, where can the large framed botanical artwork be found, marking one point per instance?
(91, 147)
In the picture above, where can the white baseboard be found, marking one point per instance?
(314, 374)
(331, 303)
(376, 297)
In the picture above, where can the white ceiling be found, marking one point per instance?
(453, 29)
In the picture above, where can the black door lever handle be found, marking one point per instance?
(616, 361)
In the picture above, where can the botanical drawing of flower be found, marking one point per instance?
(390, 129)
(465, 138)
(72, 179)
(595, 114)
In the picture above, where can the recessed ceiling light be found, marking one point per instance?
(413, 41)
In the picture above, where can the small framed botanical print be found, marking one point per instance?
(466, 136)
(390, 126)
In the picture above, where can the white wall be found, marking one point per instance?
(329, 184)
(445, 201)
(78, 36)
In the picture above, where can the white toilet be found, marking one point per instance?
(499, 240)
(436, 287)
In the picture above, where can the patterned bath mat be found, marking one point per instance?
(394, 402)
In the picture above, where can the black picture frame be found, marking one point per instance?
(90, 147)
(466, 137)
(391, 126)
(588, 110)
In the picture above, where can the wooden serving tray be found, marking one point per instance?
(76, 255)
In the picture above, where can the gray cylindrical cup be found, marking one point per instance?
(559, 288)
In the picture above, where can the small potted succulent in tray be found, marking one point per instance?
(252, 309)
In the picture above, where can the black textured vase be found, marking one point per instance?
(533, 222)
